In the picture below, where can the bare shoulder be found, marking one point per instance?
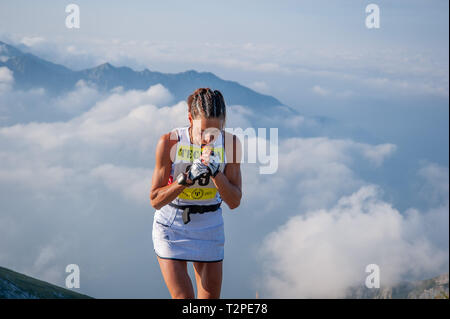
(166, 145)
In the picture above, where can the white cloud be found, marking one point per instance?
(318, 170)
(319, 254)
(6, 79)
(124, 126)
(239, 116)
(119, 119)
(32, 41)
(46, 265)
(436, 186)
(394, 70)
(378, 153)
(119, 104)
(62, 180)
(94, 168)
(320, 91)
(406, 86)
(260, 86)
(46, 255)
(132, 183)
(35, 175)
(80, 99)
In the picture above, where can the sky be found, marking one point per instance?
(371, 188)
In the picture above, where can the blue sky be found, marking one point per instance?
(284, 49)
(385, 155)
(283, 22)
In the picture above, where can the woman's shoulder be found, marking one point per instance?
(173, 136)
(167, 141)
(169, 137)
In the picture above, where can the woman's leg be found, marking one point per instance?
(209, 279)
(177, 278)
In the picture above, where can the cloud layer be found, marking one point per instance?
(76, 191)
(320, 253)
(6, 79)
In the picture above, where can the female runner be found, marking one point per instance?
(197, 167)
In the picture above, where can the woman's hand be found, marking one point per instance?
(196, 170)
(210, 160)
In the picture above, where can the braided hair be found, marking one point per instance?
(207, 103)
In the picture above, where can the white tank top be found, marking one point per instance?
(204, 191)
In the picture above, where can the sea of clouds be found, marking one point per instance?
(75, 177)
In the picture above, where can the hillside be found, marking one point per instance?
(14, 285)
(434, 288)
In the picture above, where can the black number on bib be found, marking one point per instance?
(203, 180)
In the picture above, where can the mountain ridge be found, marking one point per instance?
(31, 71)
(432, 288)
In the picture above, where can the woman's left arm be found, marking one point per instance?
(229, 183)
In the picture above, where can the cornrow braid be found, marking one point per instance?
(208, 103)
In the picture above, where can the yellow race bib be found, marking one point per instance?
(198, 193)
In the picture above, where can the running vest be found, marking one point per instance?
(203, 192)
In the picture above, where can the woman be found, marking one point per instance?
(196, 168)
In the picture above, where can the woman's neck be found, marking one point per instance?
(190, 134)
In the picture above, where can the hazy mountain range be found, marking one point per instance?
(31, 71)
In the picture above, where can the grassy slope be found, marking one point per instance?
(16, 285)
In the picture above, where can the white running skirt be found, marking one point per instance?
(202, 239)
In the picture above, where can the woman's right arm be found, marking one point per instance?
(161, 194)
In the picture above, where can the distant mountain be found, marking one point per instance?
(14, 285)
(434, 288)
(31, 71)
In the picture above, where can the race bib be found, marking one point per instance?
(198, 193)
